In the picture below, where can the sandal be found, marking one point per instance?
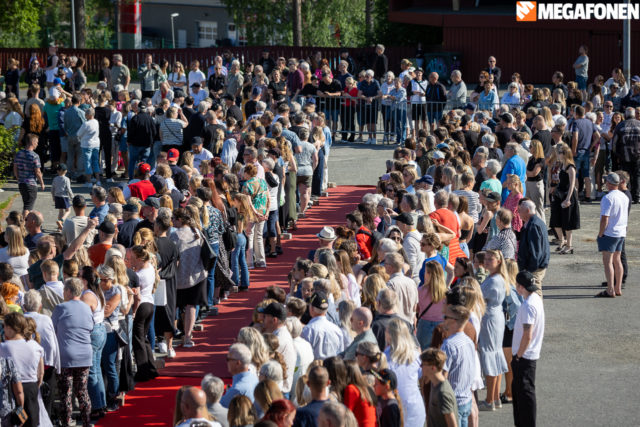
(561, 246)
(604, 294)
(505, 399)
(618, 294)
(566, 250)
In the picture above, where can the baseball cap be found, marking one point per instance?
(107, 227)
(116, 209)
(196, 140)
(118, 88)
(419, 70)
(386, 376)
(61, 167)
(178, 93)
(442, 145)
(57, 81)
(405, 218)
(470, 106)
(311, 101)
(319, 300)
(438, 155)
(173, 154)
(144, 168)
(493, 196)
(276, 310)
(79, 201)
(526, 280)
(425, 179)
(635, 78)
(131, 207)
(613, 178)
(196, 84)
(256, 91)
(153, 202)
(507, 118)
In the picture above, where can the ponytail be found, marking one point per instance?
(30, 330)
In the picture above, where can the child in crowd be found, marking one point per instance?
(442, 409)
(51, 274)
(389, 406)
(62, 194)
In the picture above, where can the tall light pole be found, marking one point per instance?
(73, 24)
(626, 46)
(173, 33)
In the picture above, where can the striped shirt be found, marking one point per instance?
(460, 365)
(171, 131)
(27, 161)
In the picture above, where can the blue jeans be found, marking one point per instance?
(95, 385)
(91, 159)
(425, 332)
(109, 365)
(157, 148)
(582, 164)
(136, 155)
(239, 262)
(401, 125)
(463, 414)
(211, 283)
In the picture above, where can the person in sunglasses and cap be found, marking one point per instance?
(528, 333)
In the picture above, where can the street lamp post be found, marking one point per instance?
(173, 33)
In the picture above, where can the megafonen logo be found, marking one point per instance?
(532, 11)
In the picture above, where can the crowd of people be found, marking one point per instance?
(429, 292)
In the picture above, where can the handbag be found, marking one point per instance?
(122, 337)
(19, 416)
(160, 296)
(207, 254)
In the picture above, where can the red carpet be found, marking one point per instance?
(152, 403)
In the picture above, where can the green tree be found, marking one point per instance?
(19, 23)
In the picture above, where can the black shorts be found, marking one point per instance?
(507, 338)
(29, 194)
(304, 180)
(61, 202)
(419, 111)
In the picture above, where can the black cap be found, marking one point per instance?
(493, 196)
(276, 310)
(319, 300)
(158, 182)
(507, 118)
(107, 227)
(527, 281)
(153, 202)
(470, 106)
(196, 84)
(79, 201)
(61, 167)
(197, 140)
(386, 376)
(178, 93)
(405, 218)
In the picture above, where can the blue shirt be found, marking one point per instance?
(307, 415)
(369, 89)
(438, 258)
(460, 364)
(514, 166)
(291, 137)
(73, 323)
(243, 383)
(99, 212)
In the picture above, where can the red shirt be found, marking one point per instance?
(142, 189)
(96, 253)
(364, 411)
(449, 220)
(364, 239)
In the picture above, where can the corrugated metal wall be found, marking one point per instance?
(536, 54)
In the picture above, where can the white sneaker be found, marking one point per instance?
(188, 343)
(171, 354)
(162, 347)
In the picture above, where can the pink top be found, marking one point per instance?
(436, 311)
(512, 204)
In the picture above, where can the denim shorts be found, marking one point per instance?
(582, 82)
(272, 224)
(582, 164)
(610, 244)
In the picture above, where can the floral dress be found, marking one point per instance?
(8, 377)
(213, 231)
(257, 189)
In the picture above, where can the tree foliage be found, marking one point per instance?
(19, 22)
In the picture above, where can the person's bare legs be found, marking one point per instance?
(508, 377)
(587, 187)
(607, 261)
(569, 235)
(491, 387)
(189, 321)
(618, 270)
(473, 416)
(560, 235)
(168, 338)
(304, 197)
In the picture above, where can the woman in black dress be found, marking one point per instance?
(168, 257)
(565, 209)
(103, 115)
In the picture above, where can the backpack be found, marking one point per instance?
(376, 236)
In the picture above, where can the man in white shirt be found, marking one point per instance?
(528, 333)
(275, 316)
(72, 227)
(199, 152)
(197, 93)
(324, 336)
(411, 243)
(196, 75)
(405, 287)
(194, 409)
(614, 211)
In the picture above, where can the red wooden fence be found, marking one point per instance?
(133, 57)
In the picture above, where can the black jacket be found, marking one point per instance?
(142, 131)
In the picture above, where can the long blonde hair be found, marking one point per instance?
(502, 268)
(403, 349)
(474, 301)
(373, 284)
(15, 241)
(512, 271)
(253, 339)
(436, 284)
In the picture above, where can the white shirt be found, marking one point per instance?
(615, 205)
(411, 246)
(288, 351)
(197, 76)
(89, 134)
(531, 312)
(419, 87)
(198, 97)
(325, 337)
(146, 277)
(198, 158)
(304, 357)
(407, 292)
(20, 264)
(48, 339)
